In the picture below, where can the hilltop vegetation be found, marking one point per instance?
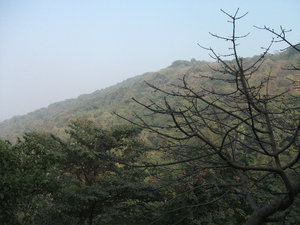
(99, 105)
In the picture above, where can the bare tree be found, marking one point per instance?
(241, 124)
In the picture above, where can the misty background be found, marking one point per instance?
(54, 50)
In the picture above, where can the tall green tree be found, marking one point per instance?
(24, 178)
(99, 185)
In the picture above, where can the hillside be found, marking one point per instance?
(99, 105)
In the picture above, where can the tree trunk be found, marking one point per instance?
(261, 215)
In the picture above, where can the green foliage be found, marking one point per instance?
(98, 183)
(24, 177)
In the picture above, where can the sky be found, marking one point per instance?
(52, 50)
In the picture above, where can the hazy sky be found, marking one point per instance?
(51, 50)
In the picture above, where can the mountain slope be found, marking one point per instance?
(100, 104)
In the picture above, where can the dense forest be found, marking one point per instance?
(195, 143)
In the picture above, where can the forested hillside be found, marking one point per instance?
(207, 143)
(100, 105)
